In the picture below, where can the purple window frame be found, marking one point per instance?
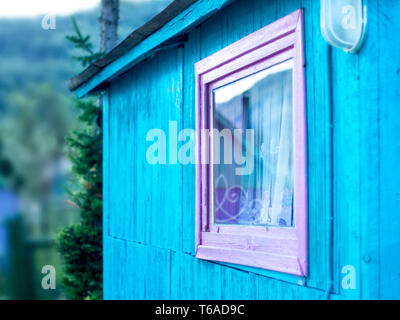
(273, 248)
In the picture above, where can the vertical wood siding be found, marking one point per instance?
(353, 155)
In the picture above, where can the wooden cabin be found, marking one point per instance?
(316, 216)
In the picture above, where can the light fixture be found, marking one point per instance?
(343, 23)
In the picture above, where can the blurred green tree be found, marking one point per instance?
(81, 244)
(43, 118)
(32, 166)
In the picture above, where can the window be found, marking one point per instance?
(251, 202)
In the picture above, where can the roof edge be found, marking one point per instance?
(174, 20)
(130, 41)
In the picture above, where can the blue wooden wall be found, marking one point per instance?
(353, 119)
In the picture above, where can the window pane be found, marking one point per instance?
(252, 176)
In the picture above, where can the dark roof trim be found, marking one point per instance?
(173, 21)
(133, 39)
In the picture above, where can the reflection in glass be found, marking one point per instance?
(261, 102)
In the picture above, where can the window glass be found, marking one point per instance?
(252, 149)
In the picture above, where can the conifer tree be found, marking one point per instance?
(81, 244)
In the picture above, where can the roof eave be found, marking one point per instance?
(175, 20)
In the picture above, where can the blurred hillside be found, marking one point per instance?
(29, 54)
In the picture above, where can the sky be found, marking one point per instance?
(33, 8)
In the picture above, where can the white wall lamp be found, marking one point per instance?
(343, 23)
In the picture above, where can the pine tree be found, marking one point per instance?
(83, 43)
(81, 245)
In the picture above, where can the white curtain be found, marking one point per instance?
(265, 197)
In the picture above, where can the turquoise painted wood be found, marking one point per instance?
(353, 124)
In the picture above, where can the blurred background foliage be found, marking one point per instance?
(36, 114)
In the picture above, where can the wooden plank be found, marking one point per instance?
(347, 157)
(108, 275)
(119, 269)
(116, 198)
(259, 54)
(137, 220)
(177, 113)
(157, 278)
(235, 285)
(136, 277)
(148, 173)
(237, 22)
(175, 275)
(253, 286)
(369, 148)
(172, 75)
(319, 139)
(257, 243)
(206, 279)
(159, 187)
(106, 163)
(282, 263)
(271, 289)
(289, 278)
(187, 285)
(300, 149)
(119, 161)
(389, 116)
(199, 279)
(154, 219)
(259, 66)
(191, 56)
(134, 220)
(214, 275)
(125, 157)
(265, 12)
